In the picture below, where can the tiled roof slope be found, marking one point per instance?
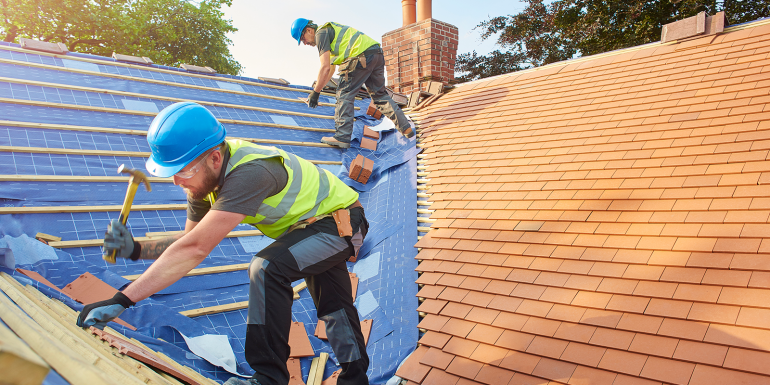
(602, 221)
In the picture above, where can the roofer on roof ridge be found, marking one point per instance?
(361, 62)
(286, 197)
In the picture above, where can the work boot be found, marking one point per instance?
(408, 131)
(334, 142)
(241, 381)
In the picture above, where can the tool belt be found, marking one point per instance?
(344, 228)
(349, 65)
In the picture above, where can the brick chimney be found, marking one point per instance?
(419, 51)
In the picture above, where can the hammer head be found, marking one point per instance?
(136, 176)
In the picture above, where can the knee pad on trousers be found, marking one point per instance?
(341, 336)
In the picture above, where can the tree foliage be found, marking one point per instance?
(169, 32)
(551, 31)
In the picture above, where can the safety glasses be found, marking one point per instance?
(194, 169)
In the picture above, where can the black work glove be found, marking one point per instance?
(312, 100)
(98, 314)
(118, 238)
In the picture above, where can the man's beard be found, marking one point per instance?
(210, 182)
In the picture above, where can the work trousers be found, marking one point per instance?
(350, 82)
(316, 253)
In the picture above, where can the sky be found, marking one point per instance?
(263, 43)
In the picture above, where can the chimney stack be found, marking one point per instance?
(424, 9)
(422, 50)
(407, 11)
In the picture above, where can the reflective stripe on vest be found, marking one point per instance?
(310, 190)
(349, 40)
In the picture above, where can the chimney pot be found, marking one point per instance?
(408, 11)
(424, 9)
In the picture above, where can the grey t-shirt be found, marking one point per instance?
(243, 190)
(323, 39)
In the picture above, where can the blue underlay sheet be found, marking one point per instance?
(385, 267)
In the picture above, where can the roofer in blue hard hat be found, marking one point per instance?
(360, 62)
(316, 220)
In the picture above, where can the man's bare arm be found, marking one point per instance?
(153, 249)
(326, 71)
(184, 254)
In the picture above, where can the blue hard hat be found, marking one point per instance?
(297, 28)
(179, 134)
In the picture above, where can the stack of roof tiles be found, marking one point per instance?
(602, 220)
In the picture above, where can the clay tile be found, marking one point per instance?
(494, 375)
(547, 347)
(640, 323)
(589, 376)
(457, 327)
(464, 367)
(554, 370)
(699, 352)
(623, 362)
(299, 341)
(485, 333)
(665, 370)
(653, 345)
(514, 340)
(583, 354)
(436, 376)
(436, 358)
(412, 369)
(434, 339)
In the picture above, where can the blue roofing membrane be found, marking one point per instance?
(30, 81)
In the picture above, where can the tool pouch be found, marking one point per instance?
(342, 217)
(350, 64)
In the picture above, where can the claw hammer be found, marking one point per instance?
(137, 177)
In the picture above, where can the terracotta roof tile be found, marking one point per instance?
(515, 340)
(589, 376)
(583, 354)
(655, 289)
(489, 354)
(411, 369)
(614, 285)
(431, 306)
(653, 345)
(709, 375)
(640, 323)
(510, 321)
(754, 318)
(699, 352)
(623, 362)
(436, 376)
(484, 333)
(534, 308)
(683, 329)
(460, 347)
(436, 358)
(435, 339)
(581, 282)
(464, 367)
(601, 318)
(457, 327)
(500, 287)
(676, 372)
(713, 313)
(541, 326)
(591, 299)
(547, 347)
(627, 303)
(558, 295)
(554, 370)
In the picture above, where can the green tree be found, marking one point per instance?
(169, 32)
(551, 31)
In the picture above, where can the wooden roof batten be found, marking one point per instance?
(544, 263)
